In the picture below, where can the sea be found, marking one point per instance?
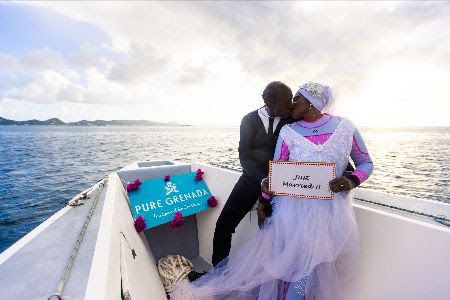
(43, 167)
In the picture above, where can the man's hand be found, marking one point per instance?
(261, 214)
(265, 187)
(341, 184)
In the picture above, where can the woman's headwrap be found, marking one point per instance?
(319, 95)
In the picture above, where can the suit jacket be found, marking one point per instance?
(257, 147)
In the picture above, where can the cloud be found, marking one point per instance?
(337, 43)
(7, 61)
(421, 10)
(194, 75)
(143, 61)
(90, 87)
(164, 51)
(45, 87)
(86, 57)
(42, 59)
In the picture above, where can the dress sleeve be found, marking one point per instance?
(361, 158)
(281, 150)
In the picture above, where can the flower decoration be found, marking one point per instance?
(133, 186)
(177, 220)
(199, 175)
(130, 187)
(167, 178)
(212, 201)
(140, 224)
(313, 88)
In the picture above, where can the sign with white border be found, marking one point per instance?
(158, 200)
(308, 180)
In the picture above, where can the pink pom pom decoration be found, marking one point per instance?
(178, 216)
(199, 175)
(212, 201)
(129, 187)
(177, 220)
(167, 178)
(140, 224)
(133, 186)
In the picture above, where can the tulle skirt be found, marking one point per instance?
(306, 246)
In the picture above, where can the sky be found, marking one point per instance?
(207, 63)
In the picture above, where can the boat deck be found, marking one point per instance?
(32, 267)
(392, 243)
(420, 206)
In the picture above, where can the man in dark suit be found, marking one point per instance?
(258, 136)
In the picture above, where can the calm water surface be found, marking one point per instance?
(42, 167)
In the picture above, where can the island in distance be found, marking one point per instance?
(56, 121)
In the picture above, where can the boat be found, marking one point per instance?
(90, 249)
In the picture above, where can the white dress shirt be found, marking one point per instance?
(262, 112)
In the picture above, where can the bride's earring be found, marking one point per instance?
(310, 107)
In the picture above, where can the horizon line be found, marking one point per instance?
(216, 125)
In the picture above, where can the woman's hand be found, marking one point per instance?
(341, 184)
(265, 187)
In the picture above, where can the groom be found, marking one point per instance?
(258, 136)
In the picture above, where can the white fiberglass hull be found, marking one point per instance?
(402, 256)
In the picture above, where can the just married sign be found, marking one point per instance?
(302, 179)
(158, 200)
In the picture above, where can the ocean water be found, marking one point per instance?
(43, 167)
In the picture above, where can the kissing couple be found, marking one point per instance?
(305, 249)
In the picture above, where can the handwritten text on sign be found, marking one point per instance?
(302, 179)
(157, 200)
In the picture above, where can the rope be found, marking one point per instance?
(133, 252)
(77, 200)
(444, 220)
(173, 268)
(75, 249)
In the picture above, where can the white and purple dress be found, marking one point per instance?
(305, 250)
(318, 132)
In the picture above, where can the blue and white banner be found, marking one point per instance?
(158, 200)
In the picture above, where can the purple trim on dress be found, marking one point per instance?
(360, 158)
(318, 139)
(284, 152)
(298, 122)
(361, 175)
(355, 143)
(323, 115)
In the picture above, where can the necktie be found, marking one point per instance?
(270, 129)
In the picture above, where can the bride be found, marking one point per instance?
(306, 249)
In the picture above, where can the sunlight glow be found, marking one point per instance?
(400, 94)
